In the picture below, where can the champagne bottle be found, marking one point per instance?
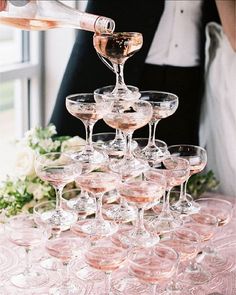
(50, 14)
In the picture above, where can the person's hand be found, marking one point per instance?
(3, 4)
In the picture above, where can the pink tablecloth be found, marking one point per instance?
(221, 284)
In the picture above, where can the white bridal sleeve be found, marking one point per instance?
(218, 116)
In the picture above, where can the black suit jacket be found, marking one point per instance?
(85, 72)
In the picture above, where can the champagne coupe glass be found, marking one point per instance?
(197, 157)
(223, 211)
(107, 258)
(142, 194)
(23, 231)
(97, 183)
(154, 266)
(129, 116)
(176, 172)
(205, 225)
(164, 105)
(152, 158)
(42, 213)
(58, 169)
(186, 243)
(106, 94)
(84, 107)
(65, 249)
(79, 202)
(117, 48)
(120, 212)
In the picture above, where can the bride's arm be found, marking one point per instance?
(227, 12)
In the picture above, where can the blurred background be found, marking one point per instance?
(31, 69)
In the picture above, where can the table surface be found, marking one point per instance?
(221, 284)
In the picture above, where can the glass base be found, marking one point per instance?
(195, 275)
(125, 284)
(119, 214)
(90, 160)
(36, 278)
(129, 237)
(129, 168)
(116, 147)
(67, 289)
(153, 153)
(126, 92)
(164, 223)
(84, 272)
(174, 289)
(185, 206)
(94, 228)
(218, 261)
(83, 205)
(50, 264)
(59, 218)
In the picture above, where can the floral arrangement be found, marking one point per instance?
(21, 191)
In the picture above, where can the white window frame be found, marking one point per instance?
(28, 73)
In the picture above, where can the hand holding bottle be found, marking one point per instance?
(3, 4)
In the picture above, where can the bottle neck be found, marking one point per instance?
(66, 16)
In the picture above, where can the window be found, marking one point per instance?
(21, 102)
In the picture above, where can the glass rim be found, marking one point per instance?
(130, 87)
(71, 96)
(146, 138)
(215, 200)
(159, 245)
(175, 231)
(177, 169)
(42, 204)
(159, 92)
(187, 145)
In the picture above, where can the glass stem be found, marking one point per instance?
(166, 203)
(185, 188)
(65, 274)
(174, 285)
(119, 134)
(98, 215)
(58, 198)
(140, 225)
(128, 148)
(182, 196)
(154, 287)
(27, 261)
(89, 133)
(153, 132)
(120, 83)
(107, 283)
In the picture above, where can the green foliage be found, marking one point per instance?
(200, 183)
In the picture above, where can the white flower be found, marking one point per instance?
(24, 162)
(73, 144)
(47, 144)
(52, 129)
(37, 189)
